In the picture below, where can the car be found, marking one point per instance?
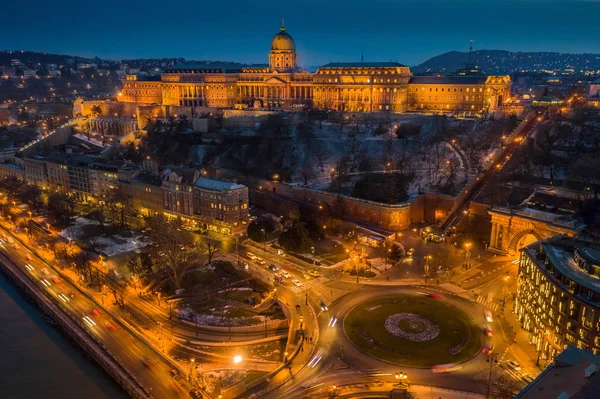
(95, 312)
(260, 261)
(513, 365)
(110, 326)
(324, 307)
(174, 373)
(410, 252)
(250, 255)
(15, 246)
(487, 349)
(284, 274)
(28, 257)
(333, 321)
(195, 394)
(488, 331)
(63, 298)
(88, 320)
(147, 362)
(45, 271)
(297, 283)
(243, 264)
(434, 295)
(446, 368)
(488, 316)
(56, 279)
(1, 241)
(161, 253)
(273, 268)
(527, 378)
(313, 273)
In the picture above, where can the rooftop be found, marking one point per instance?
(221, 67)
(362, 65)
(216, 185)
(147, 179)
(465, 80)
(567, 374)
(560, 252)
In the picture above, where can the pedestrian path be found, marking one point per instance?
(452, 287)
(488, 303)
(308, 285)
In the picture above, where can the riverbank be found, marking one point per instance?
(37, 361)
(73, 331)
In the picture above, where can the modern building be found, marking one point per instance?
(347, 86)
(572, 375)
(558, 295)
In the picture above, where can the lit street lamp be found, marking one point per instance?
(237, 359)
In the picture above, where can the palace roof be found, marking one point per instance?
(218, 67)
(450, 80)
(362, 65)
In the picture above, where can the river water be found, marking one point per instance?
(37, 361)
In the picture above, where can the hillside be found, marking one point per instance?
(502, 62)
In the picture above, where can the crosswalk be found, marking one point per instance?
(488, 303)
(310, 284)
(452, 287)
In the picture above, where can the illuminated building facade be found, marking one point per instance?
(558, 295)
(349, 86)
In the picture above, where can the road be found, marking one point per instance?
(107, 328)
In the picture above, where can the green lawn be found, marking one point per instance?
(458, 340)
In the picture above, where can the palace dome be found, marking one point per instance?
(283, 41)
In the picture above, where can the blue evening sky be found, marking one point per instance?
(324, 30)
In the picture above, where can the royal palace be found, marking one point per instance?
(344, 86)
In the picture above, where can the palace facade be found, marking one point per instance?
(348, 87)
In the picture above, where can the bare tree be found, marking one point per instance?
(211, 250)
(306, 170)
(586, 170)
(172, 240)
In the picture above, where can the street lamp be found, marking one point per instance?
(264, 239)
(237, 359)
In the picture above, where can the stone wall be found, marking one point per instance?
(281, 197)
(45, 144)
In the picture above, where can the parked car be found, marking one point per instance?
(195, 394)
(514, 365)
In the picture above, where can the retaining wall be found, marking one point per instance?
(66, 322)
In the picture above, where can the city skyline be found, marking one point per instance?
(323, 32)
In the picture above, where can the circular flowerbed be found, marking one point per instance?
(413, 331)
(412, 327)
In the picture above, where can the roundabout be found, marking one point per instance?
(412, 331)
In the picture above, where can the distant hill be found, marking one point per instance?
(493, 62)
